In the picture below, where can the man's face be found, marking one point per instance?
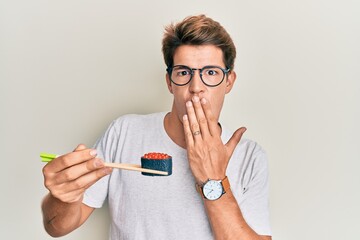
(198, 57)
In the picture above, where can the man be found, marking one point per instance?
(216, 191)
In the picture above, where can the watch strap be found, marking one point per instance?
(226, 184)
(199, 189)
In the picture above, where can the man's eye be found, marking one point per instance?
(182, 73)
(211, 72)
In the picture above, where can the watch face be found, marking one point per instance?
(212, 189)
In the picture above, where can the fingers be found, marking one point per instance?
(188, 132)
(201, 118)
(78, 170)
(73, 191)
(69, 175)
(71, 159)
(193, 121)
(211, 119)
(197, 118)
(234, 140)
(80, 147)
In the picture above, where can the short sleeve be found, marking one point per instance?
(105, 146)
(255, 203)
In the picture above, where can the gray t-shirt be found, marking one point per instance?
(169, 207)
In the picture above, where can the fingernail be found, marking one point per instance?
(98, 163)
(185, 117)
(196, 99)
(203, 100)
(93, 153)
(188, 103)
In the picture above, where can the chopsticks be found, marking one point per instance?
(48, 157)
(134, 167)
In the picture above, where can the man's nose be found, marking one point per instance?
(196, 84)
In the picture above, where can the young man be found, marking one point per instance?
(219, 186)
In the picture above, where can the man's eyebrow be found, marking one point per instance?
(181, 66)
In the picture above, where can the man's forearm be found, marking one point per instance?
(60, 218)
(227, 221)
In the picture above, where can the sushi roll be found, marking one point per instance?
(156, 161)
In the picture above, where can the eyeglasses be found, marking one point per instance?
(211, 76)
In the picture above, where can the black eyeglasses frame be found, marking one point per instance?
(192, 70)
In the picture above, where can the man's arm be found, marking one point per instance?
(208, 159)
(60, 218)
(67, 177)
(227, 221)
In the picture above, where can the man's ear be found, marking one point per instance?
(230, 80)
(168, 83)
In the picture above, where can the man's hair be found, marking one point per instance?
(197, 30)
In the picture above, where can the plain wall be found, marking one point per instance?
(68, 68)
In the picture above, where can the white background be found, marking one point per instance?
(68, 68)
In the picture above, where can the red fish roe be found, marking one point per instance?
(156, 155)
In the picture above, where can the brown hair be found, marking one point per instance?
(197, 30)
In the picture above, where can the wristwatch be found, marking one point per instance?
(213, 189)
